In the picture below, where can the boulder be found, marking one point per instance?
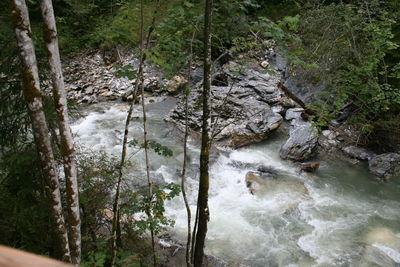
(264, 64)
(381, 248)
(385, 165)
(293, 113)
(220, 79)
(301, 145)
(243, 109)
(358, 152)
(176, 84)
(253, 182)
(310, 167)
(255, 131)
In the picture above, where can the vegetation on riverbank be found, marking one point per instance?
(351, 48)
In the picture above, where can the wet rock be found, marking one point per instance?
(256, 180)
(381, 248)
(302, 143)
(310, 167)
(253, 182)
(267, 172)
(173, 254)
(385, 165)
(358, 152)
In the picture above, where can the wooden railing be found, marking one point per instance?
(10, 257)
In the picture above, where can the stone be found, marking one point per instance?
(220, 79)
(385, 166)
(381, 248)
(293, 113)
(301, 145)
(326, 133)
(253, 182)
(243, 109)
(358, 152)
(264, 64)
(310, 167)
(278, 109)
(176, 84)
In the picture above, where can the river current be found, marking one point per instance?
(339, 216)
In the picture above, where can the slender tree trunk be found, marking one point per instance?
(67, 144)
(202, 201)
(186, 135)
(32, 94)
(149, 211)
(143, 47)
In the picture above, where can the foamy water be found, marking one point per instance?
(295, 220)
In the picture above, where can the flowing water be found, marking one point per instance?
(340, 216)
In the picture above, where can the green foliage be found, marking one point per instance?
(125, 72)
(97, 174)
(24, 210)
(158, 148)
(174, 34)
(141, 202)
(351, 49)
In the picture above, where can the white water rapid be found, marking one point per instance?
(340, 216)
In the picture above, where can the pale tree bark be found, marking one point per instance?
(202, 201)
(67, 144)
(32, 94)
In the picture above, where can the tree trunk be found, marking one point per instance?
(67, 144)
(143, 48)
(32, 94)
(202, 201)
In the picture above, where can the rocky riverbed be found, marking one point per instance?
(247, 106)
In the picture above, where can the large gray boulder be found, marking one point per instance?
(244, 105)
(385, 165)
(358, 152)
(302, 143)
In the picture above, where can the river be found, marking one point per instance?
(340, 216)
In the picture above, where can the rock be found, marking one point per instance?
(385, 165)
(87, 74)
(89, 90)
(326, 133)
(310, 167)
(255, 131)
(264, 64)
(243, 109)
(267, 172)
(220, 79)
(253, 182)
(293, 113)
(278, 109)
(176, 84)
(382, 247)
(358, 152)
(301, 145)
(151, 84)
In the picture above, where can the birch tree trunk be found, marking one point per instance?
(67, 144)
(202, 200)
(32, 95)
